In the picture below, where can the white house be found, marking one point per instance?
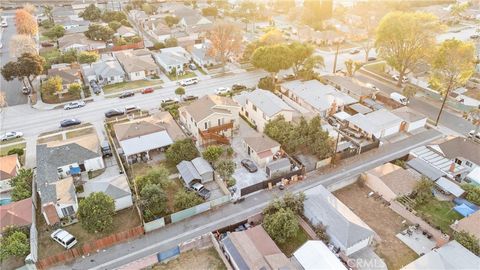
(173, 58)
(201, 56)
(138, 64)
(412, 119)
(107, 71)
(376, 124)
(261, 149)
(116, 187)
(261, 106)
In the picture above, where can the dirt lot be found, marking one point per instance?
(383, 221)
(194, 259)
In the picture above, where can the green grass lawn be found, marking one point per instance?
(378, 68)
(118, 87)
(291, 245)
(79, 132)
(4, 149)
(181, 77)
(16, 140)
(439, 214)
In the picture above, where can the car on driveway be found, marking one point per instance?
(95, 87)
(11, 135)
(127, 94)
(147, 90)
(222, 90)
(64, 238)
(106, 150)
(74, 105)
(201, 190)
(114, 112)
(70, 122)
(249, 165)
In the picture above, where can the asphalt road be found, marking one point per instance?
(11, 89)
(171, 235)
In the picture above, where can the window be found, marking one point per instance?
(219, 122)
(254, 107)
(468, 163)
(206, 125)
(458, 161)
(68, 211)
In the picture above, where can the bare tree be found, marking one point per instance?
(226, 40)
(21, 44)
(369, 24)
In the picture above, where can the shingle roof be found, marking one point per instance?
(116, 187)
(461, 147)
(407, 114)
(16, 214)
(128, 130)
(8, 166)
(108, 69)
(469, 224)
(267, 102)
(201, 165)
(68, 74)
(78, 38)
(261, 143)
(173, 56)
(136, 60)
(208, 105)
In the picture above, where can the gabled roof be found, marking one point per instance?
(397, 179)
(69, 74)
(188, 172)
(376, 121)
(202, 166)
(78, 38)
(469, 224)
(267, 102)
(342, 224)
(136, 60)
(261, 143)
(460, 147)
(128, 130)
(8, 166)
(208, 105)
(173, 56)
(116, 187)
(16, 214)
(108, 69)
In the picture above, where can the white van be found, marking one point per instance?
(64, 238)
(189, 81)
(399, 98)
(131, 109)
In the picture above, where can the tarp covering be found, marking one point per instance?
(464, 210)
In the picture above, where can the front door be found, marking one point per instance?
(82, 167)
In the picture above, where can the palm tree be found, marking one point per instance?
(48, 12)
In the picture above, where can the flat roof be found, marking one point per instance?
(314, 254)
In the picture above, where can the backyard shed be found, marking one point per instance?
(278, 167)
(203, 168)
(196, 170)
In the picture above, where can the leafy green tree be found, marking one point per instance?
(272, 58)
(352, 67)
(303, 59)
(96, 212)
(171, 42)
(210, 11)
(267, 83)
(409, 91)
(52, 85)
(180, 91)
(281, 225)
(181, 150)
(212, 153)
(185, 199)
(452, 65)
(154, 200)
(469, 241)
(18, 151)
(472, 193)
(321, 232)
(114, 25)
(126, 23)
(308, 70)
(99, 32)
(15, 244)
(171, 20)
(158, 45)
(56, 32)
(283, 5)
(70, 56)
(28, 66)
(423, 190)
(22, 185)
(147, 8)
(272, 37)
(86, 57)
(157, 176)
(225, 41)
(403, 39)
(314, 12)
(290, 201)
(91, 13)
(74, 88)
(225, 168)
(118, 16)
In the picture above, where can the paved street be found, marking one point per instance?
(172, 235)
(329, 58)
(13, 88)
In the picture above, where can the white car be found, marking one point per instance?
(222, 90)
(4, 24)
(396, 77)
(74, 105)
(372, 86)
(11, 135)
(64, 238)
(471, 135)
(189, 81)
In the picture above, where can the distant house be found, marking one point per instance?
(126, 32)
(9, 166)
(261, 106)
(314, 254)
(350, 86)
(346, 230)
(16, 214)
(261, 149)
(451, 256)
(201, 56)
(390, 181)
(377, 124)
(173, 58)
(254, 249)
(71, 22)
(412, 120)
(191, 21)
(70, 74)
(139, 138)
(138, 64)
(115, 187)
(316, 96)
(58, 164)
(469, 224)
(465, 152)
(197, 170)
(139, 16)
(79, 42)
(211, 118)
(158, 29)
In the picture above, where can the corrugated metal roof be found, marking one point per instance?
(188, 172)
(426, 169)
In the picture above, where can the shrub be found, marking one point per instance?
(281, 225)
(231, 182)
(18, 151)
(266, 83)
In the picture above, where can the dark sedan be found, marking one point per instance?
(113, 112)
(249, 165)
(70, 122)
(127, 94)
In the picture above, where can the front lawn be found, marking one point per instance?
(292, 244)
(439, 214)
(378, 68)
(193, 259)
(123, 86)
(4, 149)
(181, 77)
(79, 132)
(66, 97)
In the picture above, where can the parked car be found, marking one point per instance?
(106, 150)
(188, 81)
(47, 44)
(372, 86)
(471, 135)
(26, 90)
(74, 105)
(11, 135)
(95, 87)
(201, 190)
(288, 77)
(4, 23)
(192, 66)
(354, 51)
(371, 58)
(238, 87)
(127, 94)
(475, 36)
(189, 98)
(399, 98)
(64, 238)
(396, 77)
(147, 90)
(131, 108)
(222, 90)
(70, 122)
(168, 101)
(249, 165)
(113, 112)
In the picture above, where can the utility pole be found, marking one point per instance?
(336, 56)
(336, 147)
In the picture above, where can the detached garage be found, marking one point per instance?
(376, 124)
(412, 120)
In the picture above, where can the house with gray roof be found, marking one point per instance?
(137, 64)
(198, 170)
(108, 71)
(173, 58)
(59, 165)
(261, 106)
(346, 230)
(116, 187)
(201, 56)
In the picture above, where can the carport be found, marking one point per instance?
(425, 169)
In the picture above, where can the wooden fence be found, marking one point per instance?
(89, 248)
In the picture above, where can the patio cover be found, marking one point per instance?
(449, 186)
(146, 143)
(424, 168)
(464, 210)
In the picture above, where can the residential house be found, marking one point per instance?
(72, 22)
(146, 136)
(377, 124)
(70, 74)
(139, 16)
(211, 119)
(316, 96)
(253, 249)
(346, 230)
(197, 170)
(261, 149)
(126, 32)
(173, 59)
(451, 256)
(201, 56)
(105, 71)
(9, 166)
(314, 254)
(469, 224)
(191, 21)
(16, 214)
(412, 120)
(158, 29)
(465, 152)
(59, 13)
(59, 164)
(116, 187)
(79, 42)
(390, 181)
(350, 86)
(261, 106)
(138, 64)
